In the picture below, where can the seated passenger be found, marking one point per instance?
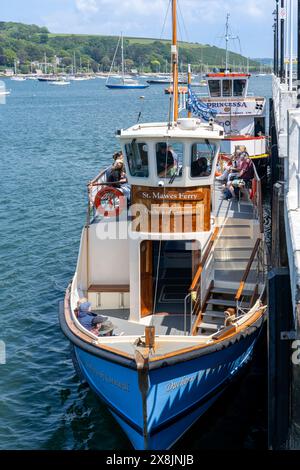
(245, 175)
(117, 170)
(165, 161)
(199, 167)
(85, 316)
(231, 167)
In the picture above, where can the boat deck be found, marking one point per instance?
(175, 323)
(165, 324)
(240, 209)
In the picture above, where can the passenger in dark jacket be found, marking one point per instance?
(85, 316)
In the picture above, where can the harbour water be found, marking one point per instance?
(53, 140)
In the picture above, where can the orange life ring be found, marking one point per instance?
(107, 195)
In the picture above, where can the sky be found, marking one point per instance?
(201, 21)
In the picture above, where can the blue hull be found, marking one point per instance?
(127, 87)
(178, 394)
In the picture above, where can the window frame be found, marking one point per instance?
(129, 161)
(171, 143)
(228, 80)
(244, 87)
(215, 150)
(214, 95)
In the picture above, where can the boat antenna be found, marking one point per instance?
(142, 98)
(227, 38)
(174, 54)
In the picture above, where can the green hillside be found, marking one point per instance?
(29, 44)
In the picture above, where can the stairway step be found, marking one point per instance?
(234, 242)
(233, 264)
(235, 230)
(222, 275)
(214, 313)
(210, 316)
(209, 326)
(226, 290)
(222, 302)
(229, 253)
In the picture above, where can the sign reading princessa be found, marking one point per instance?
(248, 107)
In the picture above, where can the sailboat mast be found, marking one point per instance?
(227, 40)
(74, 63)
(122, 49)
(174, 53)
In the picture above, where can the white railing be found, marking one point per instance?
(287, 121)
(283, 100)
(292, 202)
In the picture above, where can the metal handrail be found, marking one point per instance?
(246, 273)
(259, 204)
(203, 261)
(185, 312)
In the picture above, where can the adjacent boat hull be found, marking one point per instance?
(126, 87)
(156, 408)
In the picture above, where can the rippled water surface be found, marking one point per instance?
(53, 140)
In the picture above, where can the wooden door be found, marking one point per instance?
(146, 278)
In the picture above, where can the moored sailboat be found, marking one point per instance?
(174, 271)
(125, 83)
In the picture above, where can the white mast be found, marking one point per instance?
(74, 64)
(228, 37)
(291, 46)
(122, 49)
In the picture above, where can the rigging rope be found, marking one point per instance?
(183, 23)
(165, 20)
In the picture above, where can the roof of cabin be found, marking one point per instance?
(228, 75)
(162, 130)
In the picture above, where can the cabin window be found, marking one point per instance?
(137, 158)
(169, 159)
(239, 87)
(227, 87)
(203, 154)
(214, 87)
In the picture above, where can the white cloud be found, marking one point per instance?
(87, 6)
(204, 20)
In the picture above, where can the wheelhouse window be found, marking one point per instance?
(239, 87)
(227, 87)
(169, 159)
(137, 158)
(203, 154)
(214, 88)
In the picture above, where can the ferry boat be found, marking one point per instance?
(240, 114)
(176, 272)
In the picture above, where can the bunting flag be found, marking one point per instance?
(198, 108)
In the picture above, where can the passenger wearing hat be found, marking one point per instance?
(85, 316)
